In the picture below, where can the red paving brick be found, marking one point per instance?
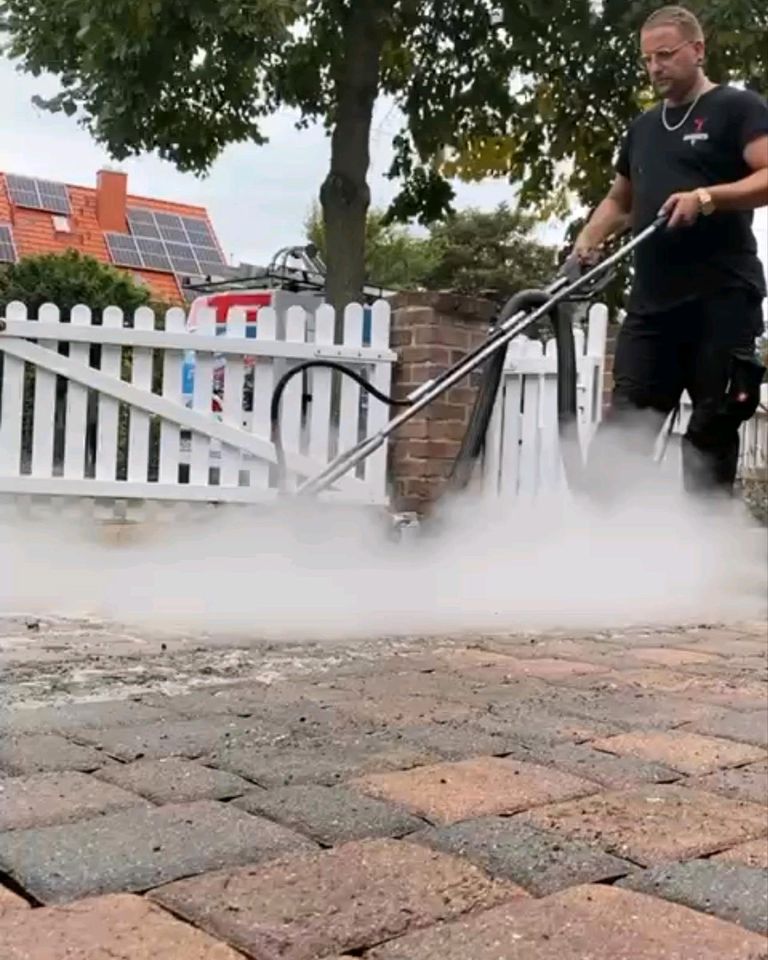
(49, 798)
(670, 657)
(726, 692)
(10, 902)
(106, 928)
(495, 668)
(754, 853)
(654, 824)
(583, 923)
(348, 898)
(689, 753)
(449, 792)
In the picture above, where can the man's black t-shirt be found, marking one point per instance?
(685, 263)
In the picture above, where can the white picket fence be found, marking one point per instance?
(117, 426)
(522, 454)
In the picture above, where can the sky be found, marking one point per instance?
(258, 197)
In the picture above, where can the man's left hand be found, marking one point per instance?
(682, 209)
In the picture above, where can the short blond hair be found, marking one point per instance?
(686, 22)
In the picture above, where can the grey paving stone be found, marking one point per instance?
(537, 860)
(72, 717)
(746, 727)
(138, 849)
(743, 783)
(174, 780)
(730, 891)
(44, 752)
(47, 798)
(183, 738)
(460, 741)
(324, 761)
(330, 815)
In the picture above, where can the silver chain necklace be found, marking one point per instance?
(685, 118)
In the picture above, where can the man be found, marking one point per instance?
(695, 308)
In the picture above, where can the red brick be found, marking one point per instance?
(741, 695)
(744, 783)
(449, 792)
(48, 798)
(670, 657)
(754, 853)
(687, 752)
(494, 668)
(9, 902)
(348, 898)
(655, 823)
(104, 928)
(583, 923)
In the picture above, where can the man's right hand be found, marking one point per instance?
(587, 251)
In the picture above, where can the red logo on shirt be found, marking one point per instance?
(698, 124)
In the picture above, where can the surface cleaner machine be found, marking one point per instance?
(555, 302)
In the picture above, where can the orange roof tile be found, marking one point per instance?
(34, 232)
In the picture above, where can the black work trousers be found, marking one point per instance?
(705, 347)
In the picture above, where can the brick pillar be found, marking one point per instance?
(430, 332)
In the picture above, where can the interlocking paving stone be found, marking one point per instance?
(448, 792)
(47, 798)
(330, 815)
(184, 738)
(617, 773)
(319, 905)
(654, 824)
(629, 709)
(539, 861)
(744, 783)
(730, 891)
(751, 727)
(174, 780)
(594, 922)
(496, 668)
(727, 692)
(670, 657)
(138, 849)
(400, 710)
(754, 853)
(689, 753)
(72, 717)
(45, 752)
(10, 902)
(324, 761)
(537, 724)
(107, 928)
(460, 741)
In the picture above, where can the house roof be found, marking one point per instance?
(95, 213)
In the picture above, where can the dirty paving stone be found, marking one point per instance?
(184, 738)
(323, 761)
(537, 860)
(449, 792)
(614, 772)
(595, 922)
(461, 741)
(688, 753)
(654, 824)
(754, 853)
(323, 904)
(105, 928)
(744, 783)
(174, 780)
(44, 799)
(137, 849)
(10, 902)
(44, 753)
(730, 891)
(330, 815)
(73, 717)
(750, 727)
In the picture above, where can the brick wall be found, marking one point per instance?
(430, 332)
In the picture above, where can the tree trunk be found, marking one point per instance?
(345, 196)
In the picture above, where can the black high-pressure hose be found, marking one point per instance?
(282, 383)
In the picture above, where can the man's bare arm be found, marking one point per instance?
(611, 217)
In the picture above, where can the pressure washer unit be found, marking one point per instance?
(519, 313)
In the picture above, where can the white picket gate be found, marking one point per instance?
(522, 454)
(75, 424)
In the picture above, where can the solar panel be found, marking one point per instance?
(39, 194)
(182, 244)
(123, 250)
(7, 246)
